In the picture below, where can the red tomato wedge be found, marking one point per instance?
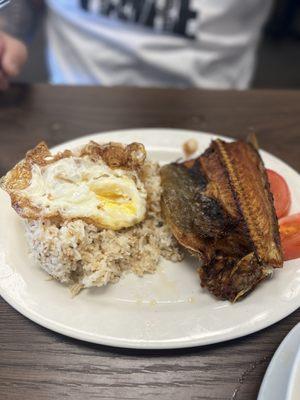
(290, 236)
(281, 193)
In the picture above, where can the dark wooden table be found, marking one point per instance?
(38, 364)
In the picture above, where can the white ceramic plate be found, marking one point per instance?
(164, 310)
(293, 392)
(278, 382)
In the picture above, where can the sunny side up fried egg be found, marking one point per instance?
(80, 187)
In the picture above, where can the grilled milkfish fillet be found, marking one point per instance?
(219, 207)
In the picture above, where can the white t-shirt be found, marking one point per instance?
(204, 43)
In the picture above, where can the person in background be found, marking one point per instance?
(180, 43)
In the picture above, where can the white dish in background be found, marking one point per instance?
(165, 310)
(277, 383)
(293, 392)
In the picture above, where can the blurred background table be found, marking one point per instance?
(38, 364)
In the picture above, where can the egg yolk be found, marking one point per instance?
(114, 198)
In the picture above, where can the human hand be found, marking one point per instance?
(13, 54)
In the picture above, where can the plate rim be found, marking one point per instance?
(144, 344)
(293, 376)
(275, 359)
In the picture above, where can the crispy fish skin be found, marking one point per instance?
(219, 207)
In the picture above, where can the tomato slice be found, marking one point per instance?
(281, 193)
(290, 236)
